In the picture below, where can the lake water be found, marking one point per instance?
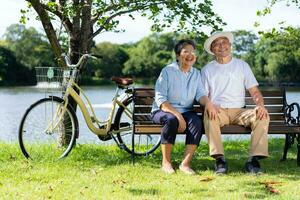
(15, 100)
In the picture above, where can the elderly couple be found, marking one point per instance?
(220, 87)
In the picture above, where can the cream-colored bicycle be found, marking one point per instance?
(49, 127)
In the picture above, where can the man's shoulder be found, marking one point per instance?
(208, 66)
(239, 61)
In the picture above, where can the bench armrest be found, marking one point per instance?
(288, 113)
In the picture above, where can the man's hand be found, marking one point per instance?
(182, 123)
(261, 112)
(212, 110)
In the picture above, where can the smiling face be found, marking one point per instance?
(221, 47)
(187, 56)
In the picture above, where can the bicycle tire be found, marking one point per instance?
(145, 144)
(37, 143)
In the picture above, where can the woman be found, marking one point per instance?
(176, 88)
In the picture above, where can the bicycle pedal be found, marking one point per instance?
(104, 137)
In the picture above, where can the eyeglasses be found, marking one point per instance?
(186, 52)
(220, 42)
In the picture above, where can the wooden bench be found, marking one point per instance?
(281, 119)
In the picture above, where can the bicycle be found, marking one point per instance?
(50, 125)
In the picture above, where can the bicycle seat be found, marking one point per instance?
(122, 81)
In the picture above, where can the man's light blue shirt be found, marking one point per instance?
(178, 88)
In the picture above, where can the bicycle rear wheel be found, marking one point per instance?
(45, 136)
(144, 144)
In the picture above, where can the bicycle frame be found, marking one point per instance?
(89, 119)
(104, 128)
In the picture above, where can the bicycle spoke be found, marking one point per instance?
(38, 139)
(143, 143)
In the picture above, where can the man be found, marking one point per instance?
(225, 80)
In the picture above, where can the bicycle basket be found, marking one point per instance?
(49, 78)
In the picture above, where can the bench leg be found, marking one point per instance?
(132, 146)
(298, 147)
(288, 143)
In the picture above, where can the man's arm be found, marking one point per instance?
(259, 102)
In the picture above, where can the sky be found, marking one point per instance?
(238, 14)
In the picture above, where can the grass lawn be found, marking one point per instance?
(106, 172)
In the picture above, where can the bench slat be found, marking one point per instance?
(276, 116)
(143, 101)
(144, 93)
(269, 93)
(267, 101)
(147, 109)
(141, 109)
(147, 117)
(270, 108)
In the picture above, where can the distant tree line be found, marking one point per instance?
(273, 58)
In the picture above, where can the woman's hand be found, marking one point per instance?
(182, 123)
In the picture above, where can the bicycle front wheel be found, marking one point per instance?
(48, 130)
(144, 144)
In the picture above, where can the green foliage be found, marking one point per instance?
(84, 20)
(12, 72)
(273, 58)
(114, 57)
(244, 42)
(150, 55)
(30, 47)
(184, 16)
(278, 56)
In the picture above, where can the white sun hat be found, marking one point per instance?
(215, 35)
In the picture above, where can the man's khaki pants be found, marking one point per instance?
(240, 116)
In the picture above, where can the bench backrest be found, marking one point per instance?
(274, 98)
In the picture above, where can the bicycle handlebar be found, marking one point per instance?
(82, 58)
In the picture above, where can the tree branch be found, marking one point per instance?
(48, 27)
(140, 7)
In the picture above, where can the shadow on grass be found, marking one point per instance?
(237, 153)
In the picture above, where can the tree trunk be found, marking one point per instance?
(80, 39)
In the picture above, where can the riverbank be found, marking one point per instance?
(106, 172)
